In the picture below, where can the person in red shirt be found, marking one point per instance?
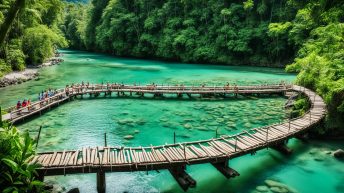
(19, 105)
(24, 103)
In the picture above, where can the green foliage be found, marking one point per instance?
(17, 17)
(15, 152)
(4, 68)
(320, 61)
(300, 107)
(16, 58)
(233, 32)
(248, 5)
(39, 43)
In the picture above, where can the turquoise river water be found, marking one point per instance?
(83, 122)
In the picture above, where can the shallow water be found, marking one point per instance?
(83, 122)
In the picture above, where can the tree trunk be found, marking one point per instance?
(12, 14)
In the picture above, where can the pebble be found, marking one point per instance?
(187, 126)
(128, 137)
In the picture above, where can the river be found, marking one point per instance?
(83, 122)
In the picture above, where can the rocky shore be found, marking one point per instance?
(18, 77)
(30, 73)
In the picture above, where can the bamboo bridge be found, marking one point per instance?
(173, 157)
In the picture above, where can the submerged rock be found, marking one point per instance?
(136, 131)
(272, 183)
(128, 137)
(74, 190)
(141, 122)
(279, 187)
(262, 189)
(339, 154)
(187, 126)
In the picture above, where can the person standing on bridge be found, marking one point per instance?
(18, 105)
(28, 104)
(67, 90)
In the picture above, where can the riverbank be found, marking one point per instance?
(30, 73)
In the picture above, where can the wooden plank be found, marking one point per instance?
(145, 155)
(112, 159)
(88, 155)
(206, 151)
(197, 151)
(133, 158)
(47, 159)
(51, 161)
(41, 158)
(100, 154)
(128, 156)
(68, 157)
(62, 157)
(79, 161)
(161, 152)
(93, 154)
(57, 159)
(76, 157)
(225, 146)
(123, 156)
(105, 156)
(156, 157)
(176, 154)
(168, 151)
(72, 158)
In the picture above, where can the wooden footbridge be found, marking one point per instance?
(175, 157)
(96, 90)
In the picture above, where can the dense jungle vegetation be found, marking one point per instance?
(29, 32)
(303, 36)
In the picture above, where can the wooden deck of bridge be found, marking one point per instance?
(175, 157)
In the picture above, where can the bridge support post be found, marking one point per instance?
(40, 175)
(302, 137)
(101, 184)
(184, 180)
(225, 170)
(282, 148)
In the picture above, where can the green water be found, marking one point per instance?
(83, 123)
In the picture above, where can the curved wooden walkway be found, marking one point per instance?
(175, 157)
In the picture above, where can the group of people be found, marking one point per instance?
(25, 103)
(228, 87)
(46, 94)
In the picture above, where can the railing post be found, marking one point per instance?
(39, 134)
(174, 137)
(236, 141)
(184, 152)
(216, 132)
(105, 142)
